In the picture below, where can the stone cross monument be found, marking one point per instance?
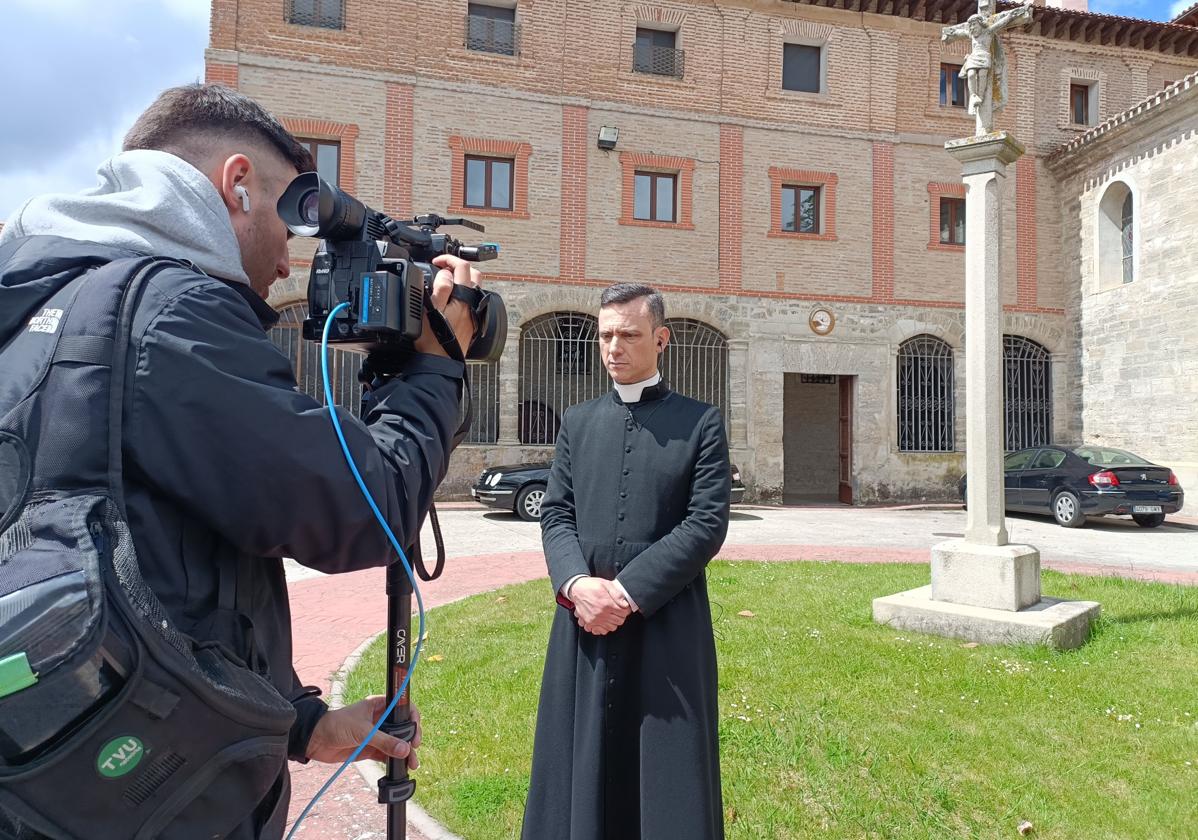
(983, 588)
(985, 68)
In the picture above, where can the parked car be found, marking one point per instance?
(1073, 482)
(521, 487)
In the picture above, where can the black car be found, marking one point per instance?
(1073, 482)
(521, 487)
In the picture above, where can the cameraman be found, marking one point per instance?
(227, 463)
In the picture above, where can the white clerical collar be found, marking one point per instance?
(632, 393)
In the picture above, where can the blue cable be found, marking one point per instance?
(353, 468)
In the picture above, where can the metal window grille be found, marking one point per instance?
(695, 362)
(559, 366)
(484, 394)
(1028, 392)
(926, 406)
(658, 60)
(305, 361)
(328, 14)
(490, 33)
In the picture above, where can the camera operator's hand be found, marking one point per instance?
(339, 731)
(459, 315)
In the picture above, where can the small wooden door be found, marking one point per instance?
(845, 491)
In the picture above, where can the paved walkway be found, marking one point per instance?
(333, 615)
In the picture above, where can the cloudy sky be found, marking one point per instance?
(77, 72)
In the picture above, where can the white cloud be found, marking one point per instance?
(73, 103)
(1178, 7)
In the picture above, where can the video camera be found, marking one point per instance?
(383, 269)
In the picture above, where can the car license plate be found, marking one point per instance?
(1146, 509)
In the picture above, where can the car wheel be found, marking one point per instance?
(1148, 520)
(1067, 510)
(528, 502)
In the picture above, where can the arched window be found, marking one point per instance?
(559, 366)
(1116, 236)
(343, 375)
(1028, 393)
(926, 406)
(695, 362)
(1126, 240)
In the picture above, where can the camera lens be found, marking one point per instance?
(309, 207)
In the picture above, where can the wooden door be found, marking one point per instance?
(845, 491)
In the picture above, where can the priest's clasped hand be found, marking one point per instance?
(599, 605)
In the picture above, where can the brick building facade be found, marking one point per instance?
(779, 173)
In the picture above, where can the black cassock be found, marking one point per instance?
(627, 742)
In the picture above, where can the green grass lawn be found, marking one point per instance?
(832, 726)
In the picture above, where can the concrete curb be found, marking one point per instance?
(372, 771)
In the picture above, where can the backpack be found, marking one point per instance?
(113, 723)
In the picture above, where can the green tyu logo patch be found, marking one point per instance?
(119, 756)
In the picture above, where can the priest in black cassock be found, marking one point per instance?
(627, 743)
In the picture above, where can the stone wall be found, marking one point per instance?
(1137, 342)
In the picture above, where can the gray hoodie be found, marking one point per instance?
(147, 201)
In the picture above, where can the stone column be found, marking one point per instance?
(738, 391)
(509, 390)
(985, 168)
(984, 588)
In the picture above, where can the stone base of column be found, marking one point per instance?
(1062, 625)
(998, 577)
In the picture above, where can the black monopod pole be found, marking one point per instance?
(395, 788)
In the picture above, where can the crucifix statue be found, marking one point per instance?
(985, 68)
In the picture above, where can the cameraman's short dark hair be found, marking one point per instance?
(183, 121)
(625, 292)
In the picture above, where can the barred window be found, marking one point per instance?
(1028, 393)
(327, 14)
(695, 362)
(925, 395)
(559, 366)
(305, 361)
(484, 395)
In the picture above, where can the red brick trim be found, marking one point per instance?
(684, 168)
(572, 254)
(220, 73)
(519, 153)
(883, 221)
(345, 133)
(732, 187)
(399, 142)
(781, 177)
(1025, 224)
(935, 191)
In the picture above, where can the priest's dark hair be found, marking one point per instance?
(625, 292)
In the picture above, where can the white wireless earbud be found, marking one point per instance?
(241, 193)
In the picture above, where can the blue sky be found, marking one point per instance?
(93, 73)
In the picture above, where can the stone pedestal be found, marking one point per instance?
(984, 589)
(998, 577)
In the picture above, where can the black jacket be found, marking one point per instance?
(226, 459)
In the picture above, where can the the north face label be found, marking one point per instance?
(47, 322)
